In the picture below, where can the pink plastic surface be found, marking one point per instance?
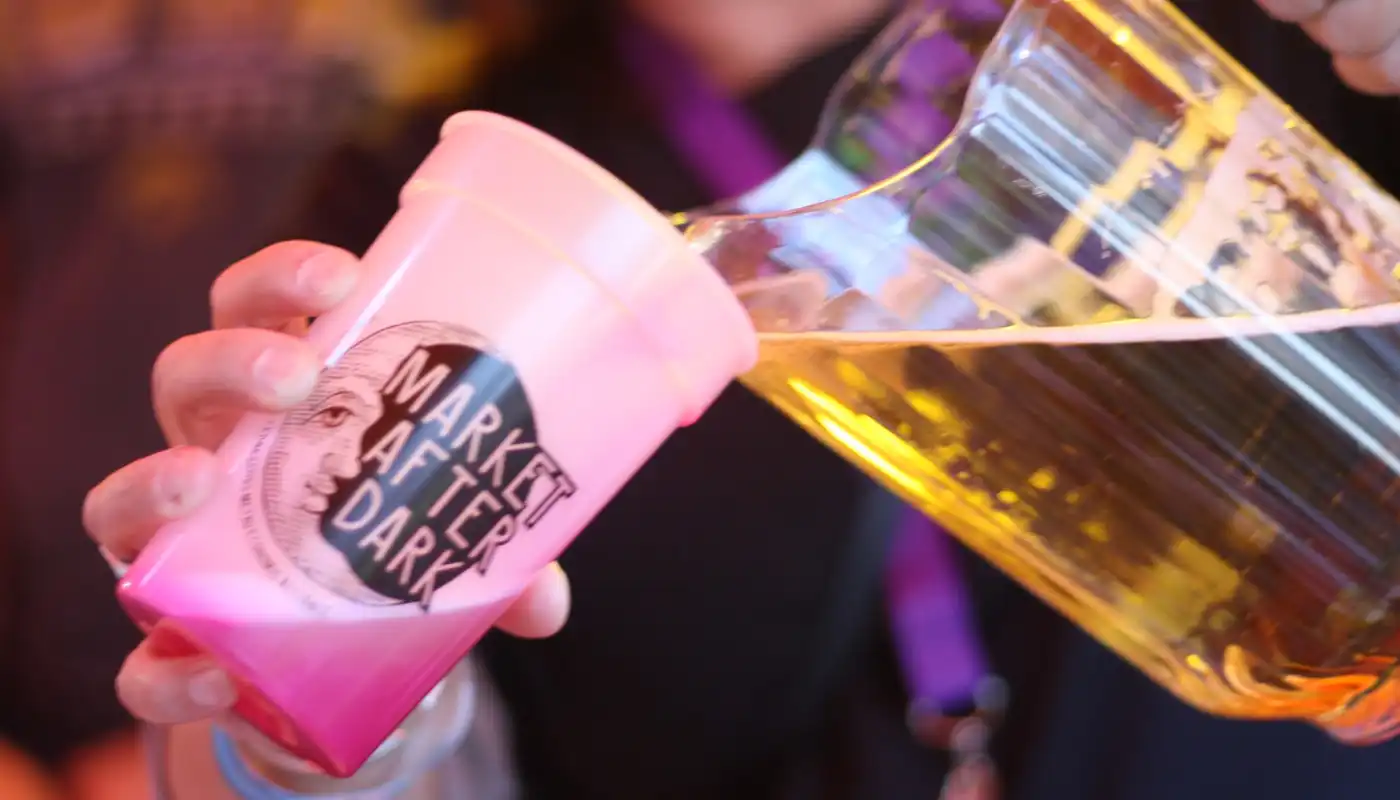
(600, 332)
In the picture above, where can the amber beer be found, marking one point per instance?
(1214, 499)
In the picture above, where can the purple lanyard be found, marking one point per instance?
(931, 615)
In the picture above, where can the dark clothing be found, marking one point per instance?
(728, 638)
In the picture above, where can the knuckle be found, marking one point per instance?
(276, 261)
(167, 361)
(252, 291)
(1353, 27)
(175, 360)
(1375, 75)
(94, 506)
(120, 497)
(221, 291)
(1387, 66)
(207, 359)
(1293, 10)
(138, 692)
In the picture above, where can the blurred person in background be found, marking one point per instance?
(728, 638)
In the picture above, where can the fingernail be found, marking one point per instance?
(328, 276)
(211, 689)
(284, 373)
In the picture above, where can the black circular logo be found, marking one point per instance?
(416, 458)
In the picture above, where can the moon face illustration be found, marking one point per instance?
(320, 446)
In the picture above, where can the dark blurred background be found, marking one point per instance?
(145, 145)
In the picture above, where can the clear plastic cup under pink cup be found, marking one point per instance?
(528, 333)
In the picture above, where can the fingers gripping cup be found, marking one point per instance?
(528, 333)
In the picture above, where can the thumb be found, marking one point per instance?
(542, 609)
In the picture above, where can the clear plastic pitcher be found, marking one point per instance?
(1120, 321)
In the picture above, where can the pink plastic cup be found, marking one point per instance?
(529, 332)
